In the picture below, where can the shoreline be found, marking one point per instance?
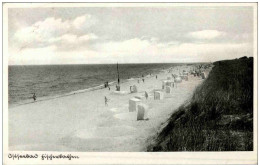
(97, 87)
(82, 122)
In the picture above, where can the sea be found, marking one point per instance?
(50, 81)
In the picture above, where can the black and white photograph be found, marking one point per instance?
(130, 77)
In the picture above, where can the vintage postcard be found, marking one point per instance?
(130, 83)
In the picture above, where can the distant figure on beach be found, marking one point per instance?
(117, 87)
(108, 86)
(106, 100)
(146, 95)
(156, 76)
(143, 79)
(34, 97)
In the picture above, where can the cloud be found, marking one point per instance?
(206, 34)
(73, 39)
(134, 45)
(135, 50)
(52, 36)
(83, 21)
(55, 29)
(32, 56)
(208, 51)
(64, 38)
(88, 37)
(173, 49)
(41, 31)
(50, 55)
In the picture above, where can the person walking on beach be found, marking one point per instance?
(108, 86)
(143, 78)
(146, 95)
(34, 97)
(156, 76)
(106, 100)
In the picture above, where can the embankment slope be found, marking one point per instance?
(218, 117)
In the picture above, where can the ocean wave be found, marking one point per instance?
(98, 87)
(62, 91)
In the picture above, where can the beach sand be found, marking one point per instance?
(82, 122)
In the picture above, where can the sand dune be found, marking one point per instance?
(82, 122)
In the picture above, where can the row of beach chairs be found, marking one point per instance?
(136, 104)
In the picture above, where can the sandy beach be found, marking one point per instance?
(82, 122)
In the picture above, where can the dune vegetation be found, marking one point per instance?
(218, 117)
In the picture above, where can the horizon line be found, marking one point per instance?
(109, 63)
(130, 63)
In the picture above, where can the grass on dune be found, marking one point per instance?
(219, 116)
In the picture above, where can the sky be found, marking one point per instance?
(98, 35)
